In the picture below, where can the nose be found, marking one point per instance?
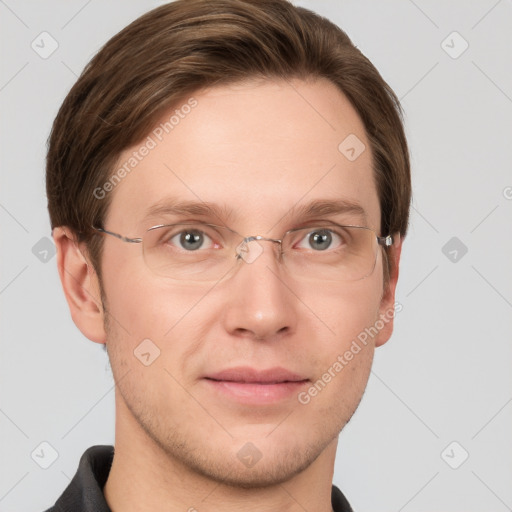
(261, 304)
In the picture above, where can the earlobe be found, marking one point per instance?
(387, 304)
(80, 284)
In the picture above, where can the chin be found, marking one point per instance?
(270, 470)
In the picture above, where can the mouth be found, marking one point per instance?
(251, 386)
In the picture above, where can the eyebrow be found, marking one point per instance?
(316, 208)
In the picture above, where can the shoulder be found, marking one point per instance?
(338, 501)
(85, 491)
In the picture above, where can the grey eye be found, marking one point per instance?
(191, 240)
(320, 240)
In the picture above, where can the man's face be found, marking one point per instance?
(258, 150)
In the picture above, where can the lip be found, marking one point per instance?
(247, 374)
(248, 385)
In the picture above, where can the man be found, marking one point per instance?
(229, 187)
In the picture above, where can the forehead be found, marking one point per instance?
(259, 152)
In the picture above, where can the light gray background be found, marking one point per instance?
(445, 376)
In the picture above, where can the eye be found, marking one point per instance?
(321, 239)
(189, 239)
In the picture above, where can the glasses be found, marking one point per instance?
(207, 252)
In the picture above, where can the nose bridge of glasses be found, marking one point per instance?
(249, 252)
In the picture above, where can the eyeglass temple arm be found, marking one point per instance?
(117, 235)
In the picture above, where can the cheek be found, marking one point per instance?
(343, 358)
(140, 303)
(349, 309)
(148, 315)
(344, 353)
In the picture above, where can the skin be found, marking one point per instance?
(259, 148)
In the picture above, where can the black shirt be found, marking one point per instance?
(85, 491)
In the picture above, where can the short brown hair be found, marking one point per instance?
(181, 47)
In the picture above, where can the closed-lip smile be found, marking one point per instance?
(247, 385)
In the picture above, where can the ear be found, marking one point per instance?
(80, 284)
(387, 304)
